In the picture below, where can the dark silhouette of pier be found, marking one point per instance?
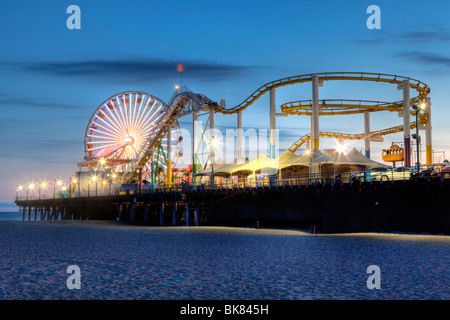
(419, 206)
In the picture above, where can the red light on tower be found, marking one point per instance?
(180, 67)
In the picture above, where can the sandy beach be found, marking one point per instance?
(131, 262)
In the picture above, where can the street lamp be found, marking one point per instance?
(30, 186)
(19, 188)
(416, 136)
(94, 178)
(56, 183)
(42, 184)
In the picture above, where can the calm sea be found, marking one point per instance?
(199, 263)
(12, 216)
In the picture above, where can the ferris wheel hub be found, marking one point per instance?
(129, 140)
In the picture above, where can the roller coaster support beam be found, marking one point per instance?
(240, 158)
(272, 123)
(406, 122)
(169, 157)
(367, 134)
(315, 112)
(429, 152)
(194, 142)
(212, 128)
(153, 174)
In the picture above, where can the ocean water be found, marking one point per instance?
(200, 263)
(12, 216)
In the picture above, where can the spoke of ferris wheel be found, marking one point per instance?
(134, 110)
(109, 125)
(150, 118)
(152, 124)
(104, 147)
(102, 137)
(105, 142)
(102, 126)
(114, 123)
(129, 110)
(143, 112)
(139, 110)
(121, 153)
(125, 108)
(121, 117)
(118, 118)
(102, 132)
(125, 113)
(148, 128)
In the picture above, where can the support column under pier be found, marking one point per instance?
(161, 214)
(174, 214)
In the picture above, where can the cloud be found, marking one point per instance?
(426, 58)
(29, 102)
(135, 69)
(441, 35)
(418, 37)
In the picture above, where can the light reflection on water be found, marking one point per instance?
(131, 262)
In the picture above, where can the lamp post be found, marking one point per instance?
(19, 188)
(42, 184)
(29, 186)
(94, 178)
(56, 183)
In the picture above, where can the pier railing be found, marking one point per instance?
(206, 184)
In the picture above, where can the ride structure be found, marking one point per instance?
(130, 131)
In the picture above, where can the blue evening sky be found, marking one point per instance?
(52, 78)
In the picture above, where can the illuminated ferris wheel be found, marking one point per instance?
(119, 129)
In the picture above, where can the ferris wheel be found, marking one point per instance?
(119, 128)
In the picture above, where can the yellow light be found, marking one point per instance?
(20, 187)
(177, 87)
(102, 161)
(64, 188)
(308, 152)
(31, 186)
(43, 184)
(114, 175)
(422, 106)
(74, 180)
(59, 182)
(104, 182)
(94, 178)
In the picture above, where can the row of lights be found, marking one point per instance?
(42, 185)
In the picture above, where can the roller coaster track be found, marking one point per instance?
(422, 89)
(348, 136)
(187, 101)
(340, 106)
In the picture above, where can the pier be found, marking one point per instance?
(418, 206)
